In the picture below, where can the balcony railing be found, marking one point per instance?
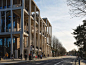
(16, 5)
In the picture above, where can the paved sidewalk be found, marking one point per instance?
(10, 61)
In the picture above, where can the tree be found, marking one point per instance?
(80, 35)
(72, 52)
(78, 7)
(57, 49)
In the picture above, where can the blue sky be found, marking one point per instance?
(57, 12)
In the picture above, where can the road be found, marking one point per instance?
(60, 61)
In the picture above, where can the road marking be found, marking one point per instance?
(58, 63)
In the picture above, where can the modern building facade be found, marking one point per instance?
(22, 30)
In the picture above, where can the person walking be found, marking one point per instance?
(38, 56)
(6, 55)
(25, 56)
(29, 56)
(41, 56)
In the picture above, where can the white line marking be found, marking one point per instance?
(58, 63)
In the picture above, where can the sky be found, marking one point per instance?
(62, 22)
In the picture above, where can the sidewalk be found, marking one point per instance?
(10, 61)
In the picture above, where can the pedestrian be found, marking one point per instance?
(48, 55)
(29, 56)
(44, 55)
(12, 56)
(25, 56)
(41, 56)
(6, 55)
(21, 56)
(38, 56)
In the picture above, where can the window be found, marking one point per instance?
(4, 4)
(0, 42)
(0, 4)
(17, 2)
(8, 3)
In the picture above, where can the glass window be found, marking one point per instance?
(8, 3)
(0, 42)
(3, 21)
(8, 21)
(4, 4)
(0, 4)
(17, 3)
(16, 22)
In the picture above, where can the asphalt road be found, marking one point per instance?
(62, 61)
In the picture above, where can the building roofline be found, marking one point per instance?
(36, 5)
(48, 21)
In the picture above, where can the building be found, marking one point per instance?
(22, 30)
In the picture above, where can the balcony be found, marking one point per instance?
(16, 5)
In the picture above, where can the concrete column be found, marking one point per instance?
(29, 29)
(0, 22)
(6, 3)
(2, 4)
(35, 30)
(21, 34)
(11, 32)
(44, 40)
(11, 3)
(42, 36)
(5, 21)
(23, 3)
(11, 44)
(39, 32)
(48, 37)
(11, 21)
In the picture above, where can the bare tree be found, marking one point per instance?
(58, 49)
(78, 7)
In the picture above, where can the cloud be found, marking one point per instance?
(62, 23)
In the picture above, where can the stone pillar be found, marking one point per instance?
(0, 22)
(11, 44)
(48, 38)
(42, 36)
(16, 50)
(35, 30)
(11, 32)
(2, 4)
(39, 32)
(29, 29)
(44, 39)
(5, 21)
(21, 34)
(6, 3)
(11, 3)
